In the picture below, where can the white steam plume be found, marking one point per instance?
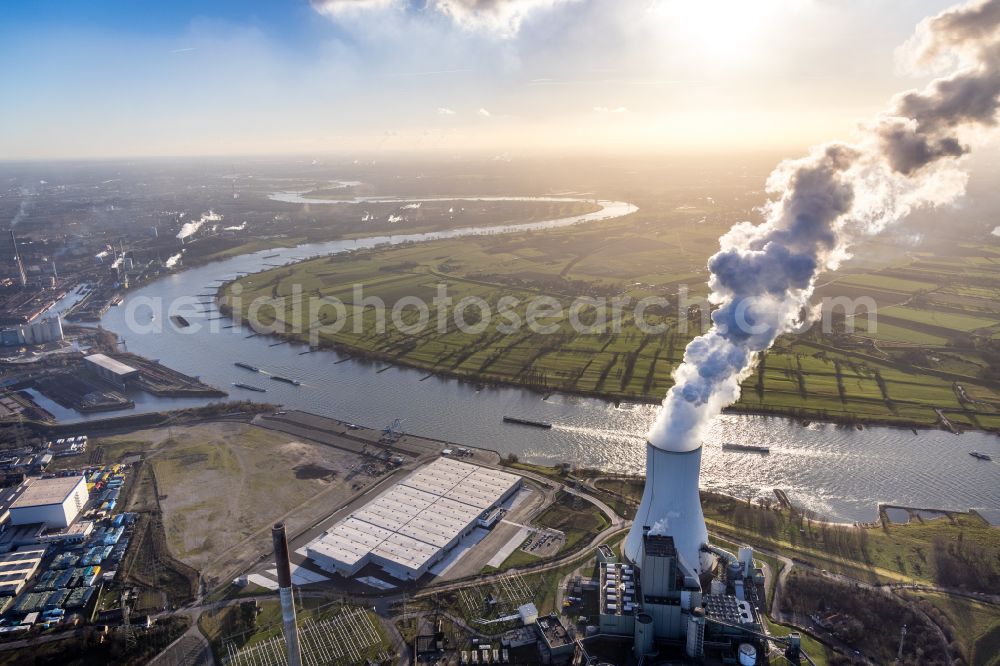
(22, 208)
(189, 228)
(763, 276)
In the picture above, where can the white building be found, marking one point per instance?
(16, 569)
(414, 524)
(109, 369)
(56, 501)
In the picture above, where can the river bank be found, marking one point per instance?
(837, 471)
(478, 382)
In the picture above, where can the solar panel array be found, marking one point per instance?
(408, 527)
(349, 638)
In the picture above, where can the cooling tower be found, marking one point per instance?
(671, 506)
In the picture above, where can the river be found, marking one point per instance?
(840, 472)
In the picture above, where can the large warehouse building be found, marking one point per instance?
(413, 525)
(110, 370)
(56, 501)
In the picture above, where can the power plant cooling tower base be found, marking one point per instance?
(671, 506)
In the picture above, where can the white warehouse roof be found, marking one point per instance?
(43, 492)
(406, 528)
(110, 364)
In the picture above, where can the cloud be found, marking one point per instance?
(501, 17)
(604, 109)
(435, 72)
(484, 113)
(445, 111)
(341, 7)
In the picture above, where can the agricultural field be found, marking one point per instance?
(936, 325)
(313, 224)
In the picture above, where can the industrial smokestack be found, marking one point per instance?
(285, 592)
(22, 276)
(763, 277)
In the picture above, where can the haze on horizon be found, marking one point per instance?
(502, 77)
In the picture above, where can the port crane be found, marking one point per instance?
(391, 432)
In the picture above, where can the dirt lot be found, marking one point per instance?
(222, 485)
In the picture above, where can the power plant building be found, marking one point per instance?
(56, 501)
(660, 599)
(414, 524)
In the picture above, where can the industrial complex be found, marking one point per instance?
(660, 601)
(414, 524)
(40, 331)
(299, 368)
(61, 538)
(672, 585)
(438, 541)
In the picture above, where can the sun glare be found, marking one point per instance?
(719, 32)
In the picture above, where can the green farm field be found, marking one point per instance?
(932, 346)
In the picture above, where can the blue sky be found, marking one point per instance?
(95, 79)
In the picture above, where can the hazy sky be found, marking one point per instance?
(95, 79)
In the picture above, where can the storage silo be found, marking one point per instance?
(55, 328)
(748, 655)
(644, 634)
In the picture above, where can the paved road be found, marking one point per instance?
(579, 556)
(398, 644)
(39, 640)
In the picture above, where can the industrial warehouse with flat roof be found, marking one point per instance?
(415, 523)
(110, 369)
(55, 501)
